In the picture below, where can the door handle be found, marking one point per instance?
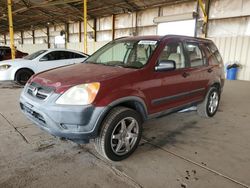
(185, 74)
(210, 70)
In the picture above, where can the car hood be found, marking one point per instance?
(65, 77)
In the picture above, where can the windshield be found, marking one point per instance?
(129, 54)
(34, 55)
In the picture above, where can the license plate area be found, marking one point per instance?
(37, 116)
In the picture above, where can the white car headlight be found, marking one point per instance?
(83, 94)
(4, 67)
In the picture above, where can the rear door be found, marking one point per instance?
(174, 86)
(198, 68)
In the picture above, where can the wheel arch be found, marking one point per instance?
(217, 85)
(23, 68)
(135, 103)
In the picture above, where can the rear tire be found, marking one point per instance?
(209, 106)
(23, 75)
(120, 134)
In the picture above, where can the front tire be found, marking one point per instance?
(209, 106)
(23, 75)
(120, 134)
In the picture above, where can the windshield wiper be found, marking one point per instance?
(122, 66)
(90, 62)
(130, 66)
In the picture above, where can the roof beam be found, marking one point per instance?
(26, 4)
(45, 4)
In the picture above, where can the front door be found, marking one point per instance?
(174, 88)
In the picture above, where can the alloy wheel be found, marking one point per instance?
(213, 102)
(124, 136)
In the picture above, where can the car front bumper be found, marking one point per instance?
(76, 123)
(5, 75)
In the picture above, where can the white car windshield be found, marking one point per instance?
(35, 54)
(127, 54)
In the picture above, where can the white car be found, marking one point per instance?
(20, 70)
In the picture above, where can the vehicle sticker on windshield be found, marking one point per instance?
(147, 42)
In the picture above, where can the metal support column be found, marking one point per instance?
(95, 33)
(5, 40)
(48, 38)
(113, 26)
(21, 37)
(136, 23)
(33, 37)
(196, 15)
(207, 6)
(203, 10)
(85, 25)
(66, 29)
(205, 15)
(12, 46)
(80, 31)
(67, 32)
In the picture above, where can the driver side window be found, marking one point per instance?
(173, 51)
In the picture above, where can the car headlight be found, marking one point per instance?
(4, 67)
(83, 94)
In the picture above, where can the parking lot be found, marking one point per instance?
(179, 150)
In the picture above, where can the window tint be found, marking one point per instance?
(50, 56)
(195, 54)
(70, 55)
(214, 53)
(173, 51)
(75, 55)
(64, 55)
(35, 55)
(58, 55)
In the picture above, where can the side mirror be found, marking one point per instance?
(165, 65)
(44, 58)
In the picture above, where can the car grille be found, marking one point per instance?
(38, 91)
(34, 114)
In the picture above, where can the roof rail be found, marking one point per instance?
(162, 38)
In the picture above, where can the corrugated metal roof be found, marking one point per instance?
(29, 14)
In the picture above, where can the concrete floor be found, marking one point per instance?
(179, 150)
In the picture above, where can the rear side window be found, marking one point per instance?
(71, 55)
(196, 57)
(214, 53)
(75, 55)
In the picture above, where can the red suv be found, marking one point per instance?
(129, 80)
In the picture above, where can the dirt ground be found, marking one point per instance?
(180, 150)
